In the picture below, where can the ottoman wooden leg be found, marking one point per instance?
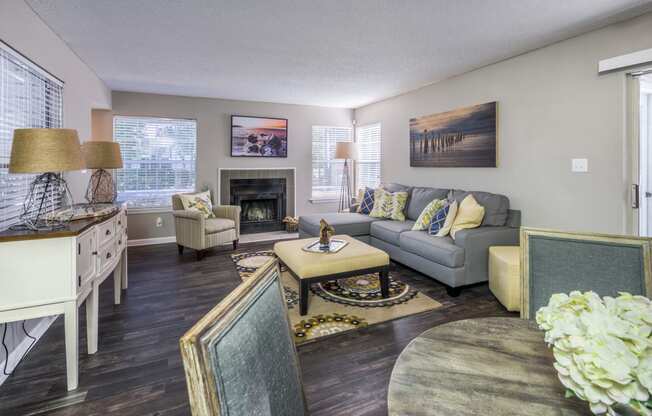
(384, 283)
(304, 288)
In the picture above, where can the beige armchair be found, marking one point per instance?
(198, 233)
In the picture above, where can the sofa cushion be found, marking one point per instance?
(496, 206)
(389, 231)
(440, 250)
(420, 198)
(350, 223)
(216, 225)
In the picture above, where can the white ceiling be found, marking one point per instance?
(343, 53)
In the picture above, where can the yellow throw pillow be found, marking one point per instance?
(450, 218)
(469, 215)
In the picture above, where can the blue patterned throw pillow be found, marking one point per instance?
(438, 220)
(367, 203)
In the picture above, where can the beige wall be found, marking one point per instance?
(552, 107)
(213, 143)
(101, 125)
(83, 90)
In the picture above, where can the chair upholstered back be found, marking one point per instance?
(240, 358)
(559, 262)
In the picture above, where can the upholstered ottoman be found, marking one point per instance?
(505, 275)
(354, 259)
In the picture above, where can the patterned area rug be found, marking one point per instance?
(339, 305)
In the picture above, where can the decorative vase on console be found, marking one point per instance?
(602, 349)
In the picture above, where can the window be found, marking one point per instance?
(159, 156)
(29, 98)
(368, 138)
(326, 172)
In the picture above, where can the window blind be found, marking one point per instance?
(368, 164)
(29, 98)
(159, 159)
(326, 172)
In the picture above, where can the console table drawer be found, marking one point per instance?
(106, 231)
(86, 246)
(107, 257)
(121, 242)
(121, 220)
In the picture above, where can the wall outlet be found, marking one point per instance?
(159, 222)
(580, 165)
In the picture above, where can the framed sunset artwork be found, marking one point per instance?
(259, 136)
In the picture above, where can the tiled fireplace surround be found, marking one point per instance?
(269, 177)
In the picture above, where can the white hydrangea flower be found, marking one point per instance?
(602, 347)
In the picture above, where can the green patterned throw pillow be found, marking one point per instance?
(426, 215)
(378, 211)
(200, 202)
(389, 205)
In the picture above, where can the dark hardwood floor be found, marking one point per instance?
(138, 369)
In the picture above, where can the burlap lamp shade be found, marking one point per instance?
(102, 155)
(346, 150)
(45, 150)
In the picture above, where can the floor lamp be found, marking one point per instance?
(47, 152)
(347, 151)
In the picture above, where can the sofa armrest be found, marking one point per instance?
(231, 212)
(476, 243)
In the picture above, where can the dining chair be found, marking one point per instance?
(560, 262)
(240, 358)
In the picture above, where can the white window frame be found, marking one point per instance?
(166, 192)
(319, 195)
(41, 106)
(360, 139)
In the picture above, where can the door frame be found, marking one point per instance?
(632, 123)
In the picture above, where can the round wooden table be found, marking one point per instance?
(488, 366)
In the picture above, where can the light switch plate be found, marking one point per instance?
(580, 165)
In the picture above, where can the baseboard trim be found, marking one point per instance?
(21, 349)
(151, 241)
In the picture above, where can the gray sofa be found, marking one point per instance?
(456, 263)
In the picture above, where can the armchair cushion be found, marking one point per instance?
(216, 225)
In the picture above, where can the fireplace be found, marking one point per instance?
(263, 202)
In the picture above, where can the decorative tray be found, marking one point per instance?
(82, 211)
(335, 246)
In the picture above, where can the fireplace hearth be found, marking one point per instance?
(263, 203)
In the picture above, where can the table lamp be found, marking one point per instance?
(101, 155)
(47, 152)
(347, 151)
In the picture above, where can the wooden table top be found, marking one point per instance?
(71, 229)
(487, 366)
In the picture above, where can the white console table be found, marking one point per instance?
(51, 273)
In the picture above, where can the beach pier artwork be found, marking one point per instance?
(465, 137)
